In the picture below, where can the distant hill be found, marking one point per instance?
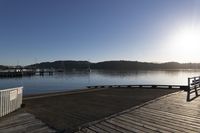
(116, 65)
(128, 65)
(61, 65)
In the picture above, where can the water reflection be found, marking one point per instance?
(71, 80)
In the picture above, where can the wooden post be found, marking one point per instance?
(188, 90)
(199, 81)
(195, 86)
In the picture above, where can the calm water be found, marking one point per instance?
(80, 79)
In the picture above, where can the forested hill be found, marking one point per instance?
(119, 65)
(62, 65)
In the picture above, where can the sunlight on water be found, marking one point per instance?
(81, 79)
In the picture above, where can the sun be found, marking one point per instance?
(187, 40)
(185, 44)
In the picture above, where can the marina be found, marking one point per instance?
(13, 73)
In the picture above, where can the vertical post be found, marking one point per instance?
(199, 81)
(0, 104)
(188, 90)
(195, 86)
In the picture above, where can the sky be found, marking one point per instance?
(33, 31)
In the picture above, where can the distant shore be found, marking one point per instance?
(106, 65)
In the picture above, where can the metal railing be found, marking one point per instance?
(10, 100)
(193, 87)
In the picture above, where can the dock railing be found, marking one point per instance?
(10, 100)
(193, 87)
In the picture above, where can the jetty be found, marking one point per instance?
(110, 109)
(14, 73)
(68, 111)
(25, 72)
(168, 114)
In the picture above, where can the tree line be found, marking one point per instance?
(109, 65)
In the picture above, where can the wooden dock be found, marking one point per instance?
(23, 123)
(67, 111)
(107, 110)
(167, 114)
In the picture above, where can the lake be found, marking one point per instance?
(72, 80)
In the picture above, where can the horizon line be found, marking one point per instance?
(155, 62)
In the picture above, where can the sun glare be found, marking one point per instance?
(185, 43)
(187, 40)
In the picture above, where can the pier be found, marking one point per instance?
(111, 109)
(10, 74)
(167, 114)
(25, 72)
(68, 111)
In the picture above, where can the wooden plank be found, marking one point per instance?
(194, 121)
(193, 114)
(136, 127)
(140, 126)
(23, 122)
(177, 106)
(112, 126)
(163, 122)
(124, 125)
(98, 129)
(87, 130)
(153, 124)
(167, 114)
(108, 129)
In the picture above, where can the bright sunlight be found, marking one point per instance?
(185, 43)
(187, 40)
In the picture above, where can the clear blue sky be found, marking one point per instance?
(94, 30)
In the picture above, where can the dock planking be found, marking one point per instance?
(67, 111)
(167, 114)
(23, 122)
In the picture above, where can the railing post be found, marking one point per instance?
(199, 81)
(195, 82)
(188, 90)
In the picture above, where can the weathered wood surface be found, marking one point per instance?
(67, 111)
(23, 123)
(170, 113)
